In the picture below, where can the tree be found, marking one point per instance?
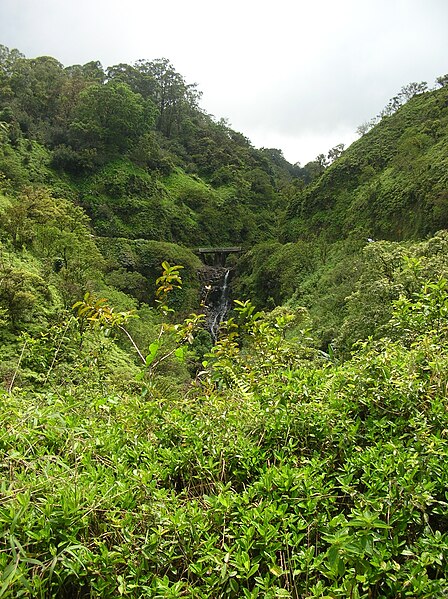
(363, 128)
(442, 81)
(366, 126)
(312, 170)
(20, 289)
(171, 94)
(335, 152)
(21, 217)
(138, 79)
(392, 106)
(8, 60)
(93, 71)
(322, 160)
(36, 84)
(406, 93)
(413, 89)
(110, 117)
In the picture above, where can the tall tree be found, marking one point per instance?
(140, 81)
(110, 117)
(8, 59)
(172, 95)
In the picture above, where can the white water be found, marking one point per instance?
(219, 311)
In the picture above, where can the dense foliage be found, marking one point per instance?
(390, 184)
(282, 475)
(130, 144)
(305, 453)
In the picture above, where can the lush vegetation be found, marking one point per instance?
(390, 184)
(305, 453)
(131, 145)
(280, 474)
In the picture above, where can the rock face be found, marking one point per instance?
(215, 296)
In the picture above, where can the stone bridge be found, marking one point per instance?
(216, 256)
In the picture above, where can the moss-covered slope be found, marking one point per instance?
(391, 184)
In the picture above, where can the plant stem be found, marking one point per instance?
(11, 384)
(134, 345)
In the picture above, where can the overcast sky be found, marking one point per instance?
(294, 75)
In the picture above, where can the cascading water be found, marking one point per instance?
(216, 297)
(221, 309)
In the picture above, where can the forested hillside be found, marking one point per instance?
(301, 454)
(390, 184)
(131, 145)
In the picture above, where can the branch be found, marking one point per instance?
(142, 357)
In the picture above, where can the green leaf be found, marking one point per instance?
(153, 349)
(180, 353)
(276, 570)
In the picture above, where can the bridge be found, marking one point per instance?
(217, 255)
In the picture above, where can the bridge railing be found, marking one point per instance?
(217, 255)
(219, 250)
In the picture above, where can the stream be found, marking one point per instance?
(216, 294)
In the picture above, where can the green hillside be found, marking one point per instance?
(390, 184)
(131, 145)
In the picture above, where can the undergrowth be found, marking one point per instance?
(296, 477)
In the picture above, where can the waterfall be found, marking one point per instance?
(216, 297)
(222, 308)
